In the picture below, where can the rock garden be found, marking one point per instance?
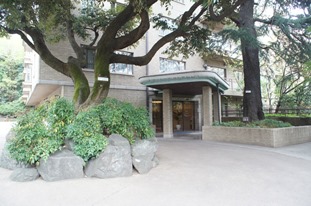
(113, 139)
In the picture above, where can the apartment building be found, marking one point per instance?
(175, 91)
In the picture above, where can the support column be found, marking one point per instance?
(207, 106)
(217, 106)
(167, 114)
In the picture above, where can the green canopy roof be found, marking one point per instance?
(189, 82)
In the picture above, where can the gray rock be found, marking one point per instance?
(155, 161)
(144, 155)
(115, 161)
(69, 144)
(61, 165)
(24, 174)
(7, 162)
(118, 140)
(143, 147)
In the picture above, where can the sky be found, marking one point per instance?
(12, 45)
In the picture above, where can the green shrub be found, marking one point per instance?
(60, 114)
(86, 133)
(271, 123)
(266, 123)
(32, 140)
(40, 132)
(288, 115)
(12, 108)
(125, 119)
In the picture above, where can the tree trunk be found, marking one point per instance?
(252, 102)
(81, 84)
(101, 78)
(278, 106)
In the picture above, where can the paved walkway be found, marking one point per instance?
(191, 173)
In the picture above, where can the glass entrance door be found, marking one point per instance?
(157, 115)
(188, 116)
(183, 116)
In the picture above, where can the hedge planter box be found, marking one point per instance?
(267, 137)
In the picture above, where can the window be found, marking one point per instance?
(220, 71)
(120, 68)
(117, 68)
(168, 65)
(90, 56)
(87, 4)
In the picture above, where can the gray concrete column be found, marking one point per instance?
(167, 114)
(207, 106)
(217, 106)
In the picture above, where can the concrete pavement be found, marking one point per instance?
(191, 173)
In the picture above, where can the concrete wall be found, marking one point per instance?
(276, 137)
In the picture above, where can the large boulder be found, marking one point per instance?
(144, 155)
(115, 161)
(24, 174)
(61, 165)
(7, 162)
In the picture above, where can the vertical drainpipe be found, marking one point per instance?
(147, 71)
(218, 103)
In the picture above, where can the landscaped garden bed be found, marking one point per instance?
(55, 142)
(268, 137)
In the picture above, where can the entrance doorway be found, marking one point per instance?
(183, 115)
(157, 115)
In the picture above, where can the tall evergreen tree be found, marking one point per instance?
(260, 27)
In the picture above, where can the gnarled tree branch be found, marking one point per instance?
(179, 32)
(136, 34)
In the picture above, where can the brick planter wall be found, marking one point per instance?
(276, 137)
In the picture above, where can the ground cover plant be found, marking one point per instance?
(12, 109)
(43, 131)
(266, 123)
(289, 115)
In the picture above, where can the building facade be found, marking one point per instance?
(175, 91)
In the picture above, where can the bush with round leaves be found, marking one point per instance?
(40, 132)
(123, 118)
(86, 133)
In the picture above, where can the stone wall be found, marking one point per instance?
(267, 137)
(118, 159)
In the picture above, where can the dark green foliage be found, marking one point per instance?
(40, 132)
(124, 119)
(86, 133)
(60, 114)
(12, 108)
(266, 123)
(32, 139)
(11, 78)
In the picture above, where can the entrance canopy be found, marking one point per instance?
(186, 83)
